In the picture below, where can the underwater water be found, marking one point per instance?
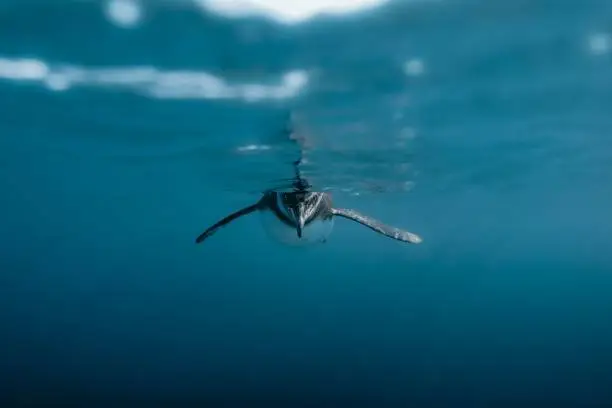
(127, 128)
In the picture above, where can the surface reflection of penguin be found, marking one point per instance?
(303, 217)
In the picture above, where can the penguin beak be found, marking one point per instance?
(300, 226)
(299, 231)
(299, 218)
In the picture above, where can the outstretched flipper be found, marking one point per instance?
(210, 231)
(377, 226)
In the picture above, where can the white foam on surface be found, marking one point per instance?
(600, 43)
(149, 81)
(252, 148)
(414, 67)
(23, 69)
(123, 13)
(285, 11)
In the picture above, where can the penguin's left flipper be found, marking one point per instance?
(378, 226)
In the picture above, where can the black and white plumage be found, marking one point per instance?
(306, 218)
(303, 217)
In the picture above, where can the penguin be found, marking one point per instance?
(304, 217)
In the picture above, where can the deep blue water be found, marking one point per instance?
(483, 126)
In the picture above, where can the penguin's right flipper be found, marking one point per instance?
(211, 230)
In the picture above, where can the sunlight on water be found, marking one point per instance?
(288, 12)
(358, 145)
(414, 67)
(600, 43)
(149, 81)
(128, 13)
(124, 13)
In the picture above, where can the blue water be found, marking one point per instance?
(483, 126)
